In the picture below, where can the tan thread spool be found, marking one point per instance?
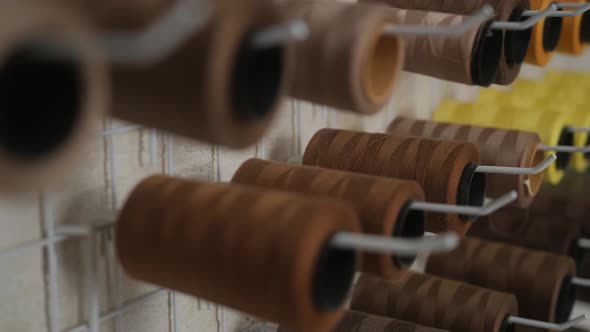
(53, 92)
(381, 203)
(515, 43)
(541, 281)
(263, 252)
(436, 302)
(347, 62)
(444, 169)
(501, 147)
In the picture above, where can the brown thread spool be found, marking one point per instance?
(356, 321)
(472, 58)
(445, 170)
(515, 43)
(436, 302)
(570, 207)
(347, 61)
(499, 147)
(383, 204)
(53, 92)
(259, 251)
(216, 87)
(541, 281)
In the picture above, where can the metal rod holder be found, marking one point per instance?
(565, 148)
(399, 246)
(546, 325)
(528, 23)
(518, 170)
(295, 30)
(489, 208)
(481, 15)
(582, 282)
(584, 243)
(581, 8)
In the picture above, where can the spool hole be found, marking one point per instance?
(472, 189)
(486, 57)
(565, 301)
(410, 224)
(516, 42)
(507, 327)
(552, 33)
(333, 277)
(585, 28)
(563, 158)
(40, 101)
(382, 65)
(257, 76)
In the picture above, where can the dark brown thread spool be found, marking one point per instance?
(347, 61)
(436, 302)
(472, 58)
(515, 43)
(53, 92)
(216, 87)
(571, 207)
(381, 203)
(356, 321)
(263, 252)
(444, 169)
(497, 147)
(541, 281)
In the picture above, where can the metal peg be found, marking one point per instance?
(389, 245)
(528, 23)
(281, 34)
(467, 210)
(546, 325)
(582, 282)
(518, 170)
(584, 243)
(581, 9)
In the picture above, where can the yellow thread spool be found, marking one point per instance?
(538, 54)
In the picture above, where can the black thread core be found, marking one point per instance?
(516, 42)
(585, 28)
(410, 224)
(486, 57)
(552, 33)
(565, 300)
(563, 158)
(472, 189)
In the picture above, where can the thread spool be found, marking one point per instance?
(571, 41)
(545, 36)
(53, 92)
(347, 61)
(356, 321)
(550, 125)
(499, 147)
(445, 170)
(541, 281)
(472, 58)
(382, 204)
(515, 43)
(436, 302)
(182, 235)
(217, 87)
(571, 208)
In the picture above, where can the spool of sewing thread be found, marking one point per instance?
(263, 252)
(383, 204)
(216, 87)
(499, 147)
(571, 41)
(541, 281)
(550, 125)
(471, 58)
(436, 302)
(356, 321)
(347, 61)
(571, 208)
(515, 43)
(545, 36)
(53, 92)
(445, 170)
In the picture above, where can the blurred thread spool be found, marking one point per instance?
(445, 170)
(263, 252)
(53, 92)
(545, 36)
(572, 41)
(347, 61)
(550, 125)
(436, 302)
(216, 87)
(383, 204)
(356, 321)
(472, 58)
(499, 147)
(546, 233)
(515, 43)
(540, 281)
(571, 208)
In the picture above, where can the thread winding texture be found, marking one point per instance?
(537, 53)
(379, 201)
(535, 277)
(259, 251)
(571, 40)
(436, 302)
(437, 166)
(498, 147)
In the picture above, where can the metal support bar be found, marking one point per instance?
(582, 282)
(518, 170)
(564, 148)
(584, 243)
(528, 23)
(278, 35)
(389, 245)
(467, 210)
(581, 9)
(546, 325)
